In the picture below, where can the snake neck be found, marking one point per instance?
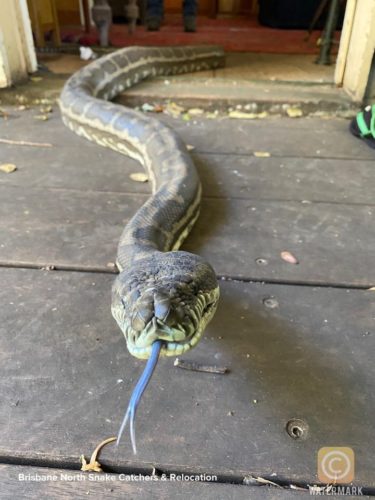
(159, 227)
(164, 221)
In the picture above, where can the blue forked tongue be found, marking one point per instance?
(138, 391)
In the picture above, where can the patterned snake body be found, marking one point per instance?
(161, 293)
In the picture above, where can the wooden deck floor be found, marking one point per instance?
(65, 373)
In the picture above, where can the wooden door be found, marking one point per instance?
(68, 12)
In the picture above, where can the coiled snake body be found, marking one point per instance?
(162, 298)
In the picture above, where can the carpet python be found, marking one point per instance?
(162, 298)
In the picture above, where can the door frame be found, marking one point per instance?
(356, 49)
(17, 53)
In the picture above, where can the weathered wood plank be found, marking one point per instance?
(59, 484)
(287, 179)
(304, 137)
(91, 168)
(82, 229)
(65, 379)
(333, 242)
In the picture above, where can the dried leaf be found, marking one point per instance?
(49, 267)
(195, 111)
(8, 168)
(41, 117)
(46, 110)
(94, 465)
(294, 112)
(262, 154)
(289, 257)
(139, 177)
(36, 78)
(4, 114)
(21, 99)
(174, 109)
(241, 115)
(247, 116)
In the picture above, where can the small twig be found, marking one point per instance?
(94, 465)
(254, 480)
(197, 367)
(26, 143)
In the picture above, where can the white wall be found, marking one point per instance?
(17, 53)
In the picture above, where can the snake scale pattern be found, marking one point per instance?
(162, 298)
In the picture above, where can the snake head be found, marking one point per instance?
(171, 298)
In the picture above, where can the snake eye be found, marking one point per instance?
(134, 295)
